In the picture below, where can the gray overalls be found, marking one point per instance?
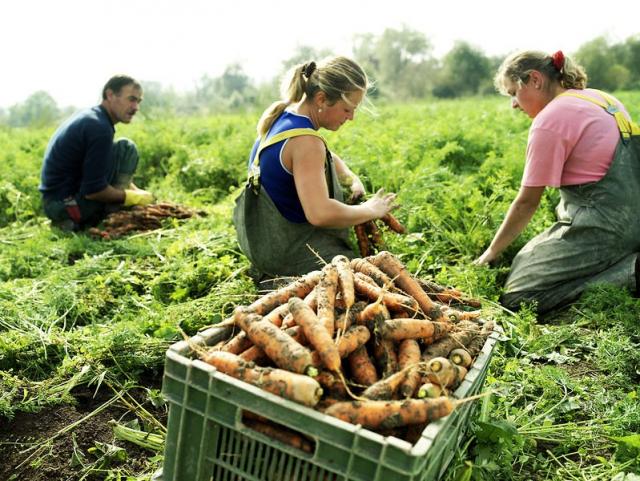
(596, 237)
(274, 245)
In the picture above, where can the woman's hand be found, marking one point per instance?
(356, 188)
(486, 258)
(381, 204)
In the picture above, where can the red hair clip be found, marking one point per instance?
(558, 60)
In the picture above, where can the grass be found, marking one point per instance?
(79, 311)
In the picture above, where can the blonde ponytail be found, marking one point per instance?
(335, 76)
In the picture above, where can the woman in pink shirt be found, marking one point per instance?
(583, 142)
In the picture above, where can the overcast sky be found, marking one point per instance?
(69, 48)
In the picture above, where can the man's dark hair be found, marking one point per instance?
(116, 83)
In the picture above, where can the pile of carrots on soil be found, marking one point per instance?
(361, 340)
(140, 218)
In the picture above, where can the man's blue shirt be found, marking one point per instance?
(78, 156)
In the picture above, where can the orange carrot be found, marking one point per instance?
(364, 246)
(296, 387)
(393, 223)
(392, 266)
(390, 299)
(315, 333)
(408, 358)
(363, 371)
(386, 357)
(368, 269)
(385, 388)
(326, 296)
(373, 315)
(345, 275)
(257, 355)
(282, 434)
(331, 385)
(352, 339)
(407, 328)
(237, 344)
(465, 332)
(345, 320)
(390, 414)
(299, 288)
(374, 235)
(281, 348)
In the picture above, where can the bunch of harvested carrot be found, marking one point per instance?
(140, 218)
(363, 337)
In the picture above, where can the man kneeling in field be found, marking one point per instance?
(86, 174)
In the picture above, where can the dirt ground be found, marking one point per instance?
(57, 460)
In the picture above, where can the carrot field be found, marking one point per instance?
(85, 321)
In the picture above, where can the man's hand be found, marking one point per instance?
(137, 197)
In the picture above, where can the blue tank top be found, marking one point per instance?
(274, 177)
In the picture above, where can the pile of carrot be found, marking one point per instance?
(362, 340)
(139, 218)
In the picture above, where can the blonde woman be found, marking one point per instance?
(292, 211)
(581, 141)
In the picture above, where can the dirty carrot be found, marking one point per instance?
(326, 297)
(392, 266)
(299, 288)
(392, 300)
(385, 388)
(352, 339)
(281, 348)
(407, 328)
(345, 276)
(430, 390)
(392, 223)
(408, 358)
(385, 356)
(296, 387)
(282, 434)
(363, 241)
(390, 414)
(445, 373)
(363, 371)
(367, 268)
(461, 357)
(315, 333)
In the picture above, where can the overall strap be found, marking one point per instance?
(626, 127)
(254, 171)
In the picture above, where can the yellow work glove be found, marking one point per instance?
(137, 197)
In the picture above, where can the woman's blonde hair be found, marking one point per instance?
(335, 76)
(518, 66)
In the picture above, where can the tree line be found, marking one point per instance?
(400, 63)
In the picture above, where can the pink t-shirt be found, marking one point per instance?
(571, 141)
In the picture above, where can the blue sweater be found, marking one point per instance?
(78, 156)
(276, 180)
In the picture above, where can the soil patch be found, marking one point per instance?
(32, 448)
